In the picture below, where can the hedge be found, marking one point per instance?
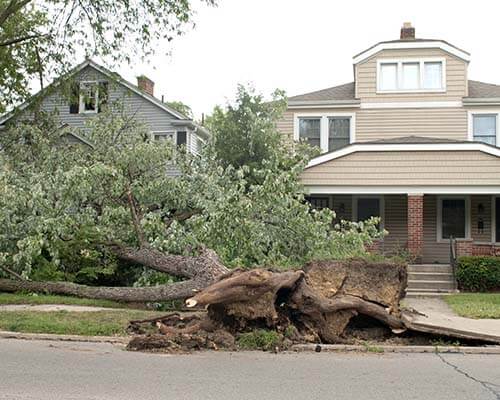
(478, 273)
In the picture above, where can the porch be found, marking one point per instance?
(422, 224)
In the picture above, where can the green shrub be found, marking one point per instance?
(260, 339)
(478, 273)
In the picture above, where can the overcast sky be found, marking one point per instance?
(301, 46)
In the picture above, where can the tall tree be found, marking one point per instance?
(41, 38)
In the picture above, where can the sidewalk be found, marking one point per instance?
(439, 318)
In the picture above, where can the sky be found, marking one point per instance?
(306, 45)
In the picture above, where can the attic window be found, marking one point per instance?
(89, 97)
(411, 75)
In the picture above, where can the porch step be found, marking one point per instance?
(444, 268)
(430, 276)
(426, 293)
(436, 285)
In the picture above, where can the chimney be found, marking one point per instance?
(407, 31)
(146, 84)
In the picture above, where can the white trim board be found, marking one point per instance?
(411, 45)
(404, 147)
(412, 104)
(410, 190)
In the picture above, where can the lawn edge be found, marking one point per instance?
(64, 338)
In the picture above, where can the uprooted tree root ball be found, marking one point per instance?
(314, 304)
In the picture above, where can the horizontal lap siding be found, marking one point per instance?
(366, 77)
(433, 251)
(407, 168)
(485, 201)
(396, 221)
(374, 124)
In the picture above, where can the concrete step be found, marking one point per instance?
(422, 293)
(433, 285)
(430, 276)
(444, 268)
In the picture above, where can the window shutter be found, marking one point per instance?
(103, 96)
(74, 99)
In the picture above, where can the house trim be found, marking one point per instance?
(412, 190)
(474, 146)
(411, 45)
(439, 217)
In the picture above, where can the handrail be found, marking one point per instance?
(453, 260)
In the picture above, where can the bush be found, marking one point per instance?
(478, 273)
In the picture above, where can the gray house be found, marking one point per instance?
(93, 86)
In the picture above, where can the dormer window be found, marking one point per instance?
(422, 75)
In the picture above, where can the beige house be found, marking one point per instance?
(413, 141)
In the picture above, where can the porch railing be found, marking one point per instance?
(453, 260)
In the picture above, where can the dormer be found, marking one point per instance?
(411, 69)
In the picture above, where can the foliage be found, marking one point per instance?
(39, 39)
(259, 339)
(93, 323)
(478, 273)
(179, 106)
(475, 305)
(66, 206)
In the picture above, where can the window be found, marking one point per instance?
(317, 202)
(89, 97)
(411, 75)
(453, 218)
(310, 131)
(368, 207)
(484, 128)
(338, 132)
(389, 76)
(497, 219)
(179, 137)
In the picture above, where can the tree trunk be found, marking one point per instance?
(201, 271)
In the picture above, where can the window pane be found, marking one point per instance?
(310, 130)
(485, 129)
(453, 218)
(181, 138)
(368, 208)
(338, 133)
(433, 75)
(411, 75)
(389, 76)
(88, 91)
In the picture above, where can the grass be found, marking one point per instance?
(31, 298)
(99, 323)
(260, 339)
(475, 305)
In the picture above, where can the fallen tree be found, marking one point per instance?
(316, 303)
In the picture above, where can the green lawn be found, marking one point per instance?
(99, 323)
(475, 305)
(29, 298)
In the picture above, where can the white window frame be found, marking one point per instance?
(421, 61)
(470, 122)
(165, 133)
(323, 117)
(439, 217)
(81, 102)
(381, 203)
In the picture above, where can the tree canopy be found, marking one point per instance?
(40, 39)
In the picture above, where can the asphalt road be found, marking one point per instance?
(74, 371)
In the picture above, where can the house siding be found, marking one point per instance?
(406, 168)
(366, 77)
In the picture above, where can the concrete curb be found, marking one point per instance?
(342, 348)
(64, 338)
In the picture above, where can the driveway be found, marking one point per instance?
(75, 371)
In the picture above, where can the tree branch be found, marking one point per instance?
(13, 7)
(20, 40)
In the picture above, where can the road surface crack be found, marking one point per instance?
(487, 385)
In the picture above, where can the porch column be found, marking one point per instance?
(416, 225)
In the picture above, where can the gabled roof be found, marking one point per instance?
(341, 94)
(483, 90)
(113, 76)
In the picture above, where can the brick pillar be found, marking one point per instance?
(416, 225)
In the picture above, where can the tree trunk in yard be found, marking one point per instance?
(200, 272)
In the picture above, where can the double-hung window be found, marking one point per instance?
(484, 128)
(411, 75)
(338, 132)
(178, 137)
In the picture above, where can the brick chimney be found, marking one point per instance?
(407, 31)
(146, 84)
